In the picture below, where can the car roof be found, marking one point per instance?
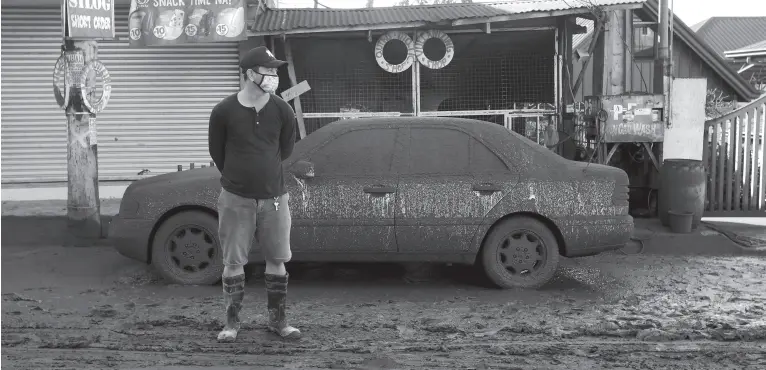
(473, 126)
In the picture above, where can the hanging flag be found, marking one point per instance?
(89, 19)
(173, 22)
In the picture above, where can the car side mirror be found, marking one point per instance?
(303, 170)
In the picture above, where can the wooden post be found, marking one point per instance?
(615, 54)
(565, 51)
(629, 58)
(83, 203)
(293, 82)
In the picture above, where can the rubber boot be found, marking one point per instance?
(233, 293)
(276, 291)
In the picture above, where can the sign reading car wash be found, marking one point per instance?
(172, 22)
(89, 19)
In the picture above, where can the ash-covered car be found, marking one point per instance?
(442, 190)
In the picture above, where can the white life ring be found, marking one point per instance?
(62, 98)
(383, 63)
(421, 55)
(100, 71)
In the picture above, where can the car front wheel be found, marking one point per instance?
(520, 252)
(186, 249)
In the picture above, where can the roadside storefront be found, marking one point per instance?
(157, 116)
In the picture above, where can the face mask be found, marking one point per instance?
(269, 83)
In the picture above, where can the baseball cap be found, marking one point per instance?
(260, 57)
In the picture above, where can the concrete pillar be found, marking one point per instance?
(615, 54)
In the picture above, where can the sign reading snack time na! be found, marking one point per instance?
(173, 22)
(89, 19)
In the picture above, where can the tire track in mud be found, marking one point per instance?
(645, 319)
(518, 354)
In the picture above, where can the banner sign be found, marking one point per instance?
(89, 19)
(173, 22)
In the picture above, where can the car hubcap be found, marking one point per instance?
(522, 253)
(191, 248)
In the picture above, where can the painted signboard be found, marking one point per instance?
(296, 91)
(88, 19)
(172, 22)
(629, 118)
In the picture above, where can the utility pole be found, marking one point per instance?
(665, 57)
(83, 202)
(82, 24)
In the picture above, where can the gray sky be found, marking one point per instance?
(690, 11)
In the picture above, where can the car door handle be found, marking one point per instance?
(488, 187)
(379, 189)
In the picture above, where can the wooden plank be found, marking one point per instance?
(737, 152)
(713, 164)
(294, 81)
(762, 117)
(730, 146)
(746, 164)
(755, 178)
(296, 91)
(753, 213)
(721, 162)
(706, 162)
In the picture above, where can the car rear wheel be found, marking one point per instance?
(186, 249)
(520, 252)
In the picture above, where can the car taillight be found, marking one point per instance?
(621, 195)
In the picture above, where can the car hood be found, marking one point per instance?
(191, 178)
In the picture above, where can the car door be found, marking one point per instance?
(493, 176)
(441, 199)
(348, 206)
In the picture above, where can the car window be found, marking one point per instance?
(358, 152)
(483, 160)
(438, 151)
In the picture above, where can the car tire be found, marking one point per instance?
(525, 239)
(194, 257)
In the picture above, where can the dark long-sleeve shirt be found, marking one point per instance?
(248, 147)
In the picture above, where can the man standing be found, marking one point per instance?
(250, 134)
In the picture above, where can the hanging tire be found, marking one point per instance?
(520, 252)
(186, 249)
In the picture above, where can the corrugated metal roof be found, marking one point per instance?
(731, 33)
(286, 20)
(743, 89)
(757, 47)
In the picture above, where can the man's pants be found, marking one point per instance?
(242, 219)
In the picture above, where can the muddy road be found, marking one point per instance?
(93, 309)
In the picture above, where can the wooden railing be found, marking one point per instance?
(734, 157)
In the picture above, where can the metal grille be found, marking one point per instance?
(364, 87)
(508, 81)
(532, 127)
(313, 124)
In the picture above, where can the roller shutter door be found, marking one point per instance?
(157, 116)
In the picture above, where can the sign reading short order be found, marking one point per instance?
(89, 19)
(172, 22)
